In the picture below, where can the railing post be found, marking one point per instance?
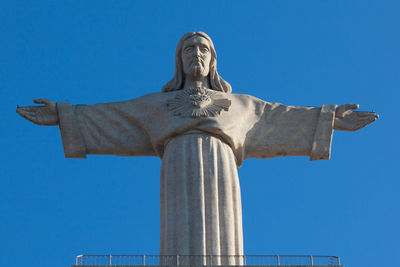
(78, 259)
(177, 260)
(144, 259)
(312, 260)
(244, 260)
(278, 259)
(110, 260)
(338, 260)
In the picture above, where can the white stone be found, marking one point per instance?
(202, 132)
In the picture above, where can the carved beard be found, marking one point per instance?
(197, 70)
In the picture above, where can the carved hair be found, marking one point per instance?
(177, 82)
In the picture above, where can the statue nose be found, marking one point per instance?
(197, 52)
(196, 57)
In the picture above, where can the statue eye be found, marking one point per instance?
(188, 49)
(204, 49)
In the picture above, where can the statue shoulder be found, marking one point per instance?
(151, 98)
(249, 99)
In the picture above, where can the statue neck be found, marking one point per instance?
(196, 82)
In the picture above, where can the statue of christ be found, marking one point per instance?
(202, 133)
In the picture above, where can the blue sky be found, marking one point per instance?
(304, 53)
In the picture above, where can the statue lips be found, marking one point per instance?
(197, 62)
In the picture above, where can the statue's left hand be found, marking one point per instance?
(349, 120)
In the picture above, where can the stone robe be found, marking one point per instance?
(199, 187)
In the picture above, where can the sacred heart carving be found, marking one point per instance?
(198, 102)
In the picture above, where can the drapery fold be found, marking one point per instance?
(200, 203)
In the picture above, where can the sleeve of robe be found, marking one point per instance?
(291, 131)
(103, 129)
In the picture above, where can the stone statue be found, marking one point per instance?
(202, 132)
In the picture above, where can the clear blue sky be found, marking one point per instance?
(303, 53)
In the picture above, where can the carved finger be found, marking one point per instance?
(343, 109)
(31, 114)
(22, 111)
(44, 101)
(26, 115)
(29, 110)
(39, 101)
(366, 119)
(373, 115)
(351, 106)
(363, 114)
(365, 122)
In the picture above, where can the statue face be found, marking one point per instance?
(196, 57)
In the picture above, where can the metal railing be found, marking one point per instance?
(209, 260)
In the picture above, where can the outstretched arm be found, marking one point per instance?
(298, 131)
(348, 120)
(291, 131)
(106, 129)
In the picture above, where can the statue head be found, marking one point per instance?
(215, 81)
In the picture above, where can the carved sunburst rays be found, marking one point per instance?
(198, 102)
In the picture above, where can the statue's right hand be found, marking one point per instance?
(41, 115)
